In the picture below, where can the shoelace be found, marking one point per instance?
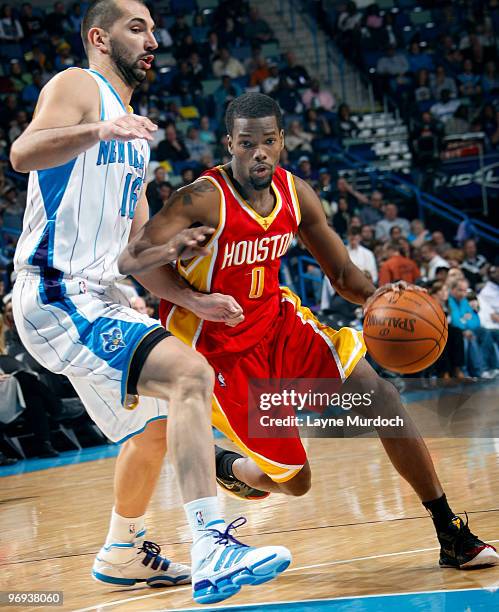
(225, 537)
(150, 548)
(468, 539)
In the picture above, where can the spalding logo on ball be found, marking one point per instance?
(405, 331)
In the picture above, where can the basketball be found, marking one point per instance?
(405, 331)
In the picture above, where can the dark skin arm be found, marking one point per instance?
(328, 249)
(167, 237)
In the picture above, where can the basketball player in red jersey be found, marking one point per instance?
(250, 209)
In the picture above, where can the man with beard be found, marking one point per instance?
(255, 208)
(87, 154)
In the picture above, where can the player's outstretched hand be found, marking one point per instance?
(127, 127)
(398, 286)
(189, 243)
(219, 308)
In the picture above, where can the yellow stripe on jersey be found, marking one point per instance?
(294, 196)
(346, 344)
(198, 272)
(278, 472)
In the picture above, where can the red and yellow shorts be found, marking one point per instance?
(299, 346)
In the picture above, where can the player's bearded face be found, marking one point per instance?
(127, 63)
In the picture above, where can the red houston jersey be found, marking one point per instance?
(244, 262)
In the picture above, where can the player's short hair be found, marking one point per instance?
(252, 106)
(100, 14)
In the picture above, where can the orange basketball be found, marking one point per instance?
(405, 331)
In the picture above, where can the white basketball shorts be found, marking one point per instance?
(89, 333)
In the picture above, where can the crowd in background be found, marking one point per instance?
(228, 48)
(436, 60)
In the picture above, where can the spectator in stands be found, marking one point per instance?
(271, 83)
(179, 29)
(490, 80)
(32, 25)
(394, 67)
(395, 234)
(11, 34)
(445, 108)
(469, 82)
(296, 74)
(440, 243)
(317, 98)
(161, 33)
(58, 22)
(344, 127)
(326, 184)
(458, 123)
(341, 219)
(172, 148)
(305, 169)
(185, 84)
(75, 17)
(226, 64)
(440, 81)
(138, 304)
(297, 139)
(31, 92)
(349, 27)
(371, 213)
(481, 355)
(352, 196)
(64, 59)
(196, 147)
(451, 361)
(316, 124)
(474, 265)
(397, 266)
(422, 91)
(432, 260)
(18, 78)
(419, 234)
(287, 97)
(256, 28)
(153, 190)
(206, 134)
(367, 238)
(260, 73)
(211, 48)
(224, 94)
(390, 219)
(188, 176)
(488, 299)
(419, 60)
(363, 258)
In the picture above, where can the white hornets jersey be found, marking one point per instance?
(78, 215)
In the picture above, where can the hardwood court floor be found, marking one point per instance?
(361, 530)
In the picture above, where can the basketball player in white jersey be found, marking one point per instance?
(87, 155)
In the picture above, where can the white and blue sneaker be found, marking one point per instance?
(231, 564)
(125, 564)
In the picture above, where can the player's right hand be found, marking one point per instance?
(219, 308)
(127, 127)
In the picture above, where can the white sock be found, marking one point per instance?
(203, 514)
(124, 529)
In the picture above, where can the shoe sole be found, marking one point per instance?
(243, 497)
(485, 557)
(154, 582)
(227, 586)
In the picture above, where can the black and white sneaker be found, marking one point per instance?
(462, 549)
(229, 483)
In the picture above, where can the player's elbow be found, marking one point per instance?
(125, 264)
(17, 159)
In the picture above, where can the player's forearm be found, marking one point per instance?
(141, 257)
(42, 149)
(353, 284)
(167, 283)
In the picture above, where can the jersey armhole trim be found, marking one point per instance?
(186, 270)
(294, 197)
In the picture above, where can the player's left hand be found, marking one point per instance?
(189, 243)
(398, 286)
(218, 307)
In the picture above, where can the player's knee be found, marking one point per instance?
(300, 484)
(196, 377)
(150, 446)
